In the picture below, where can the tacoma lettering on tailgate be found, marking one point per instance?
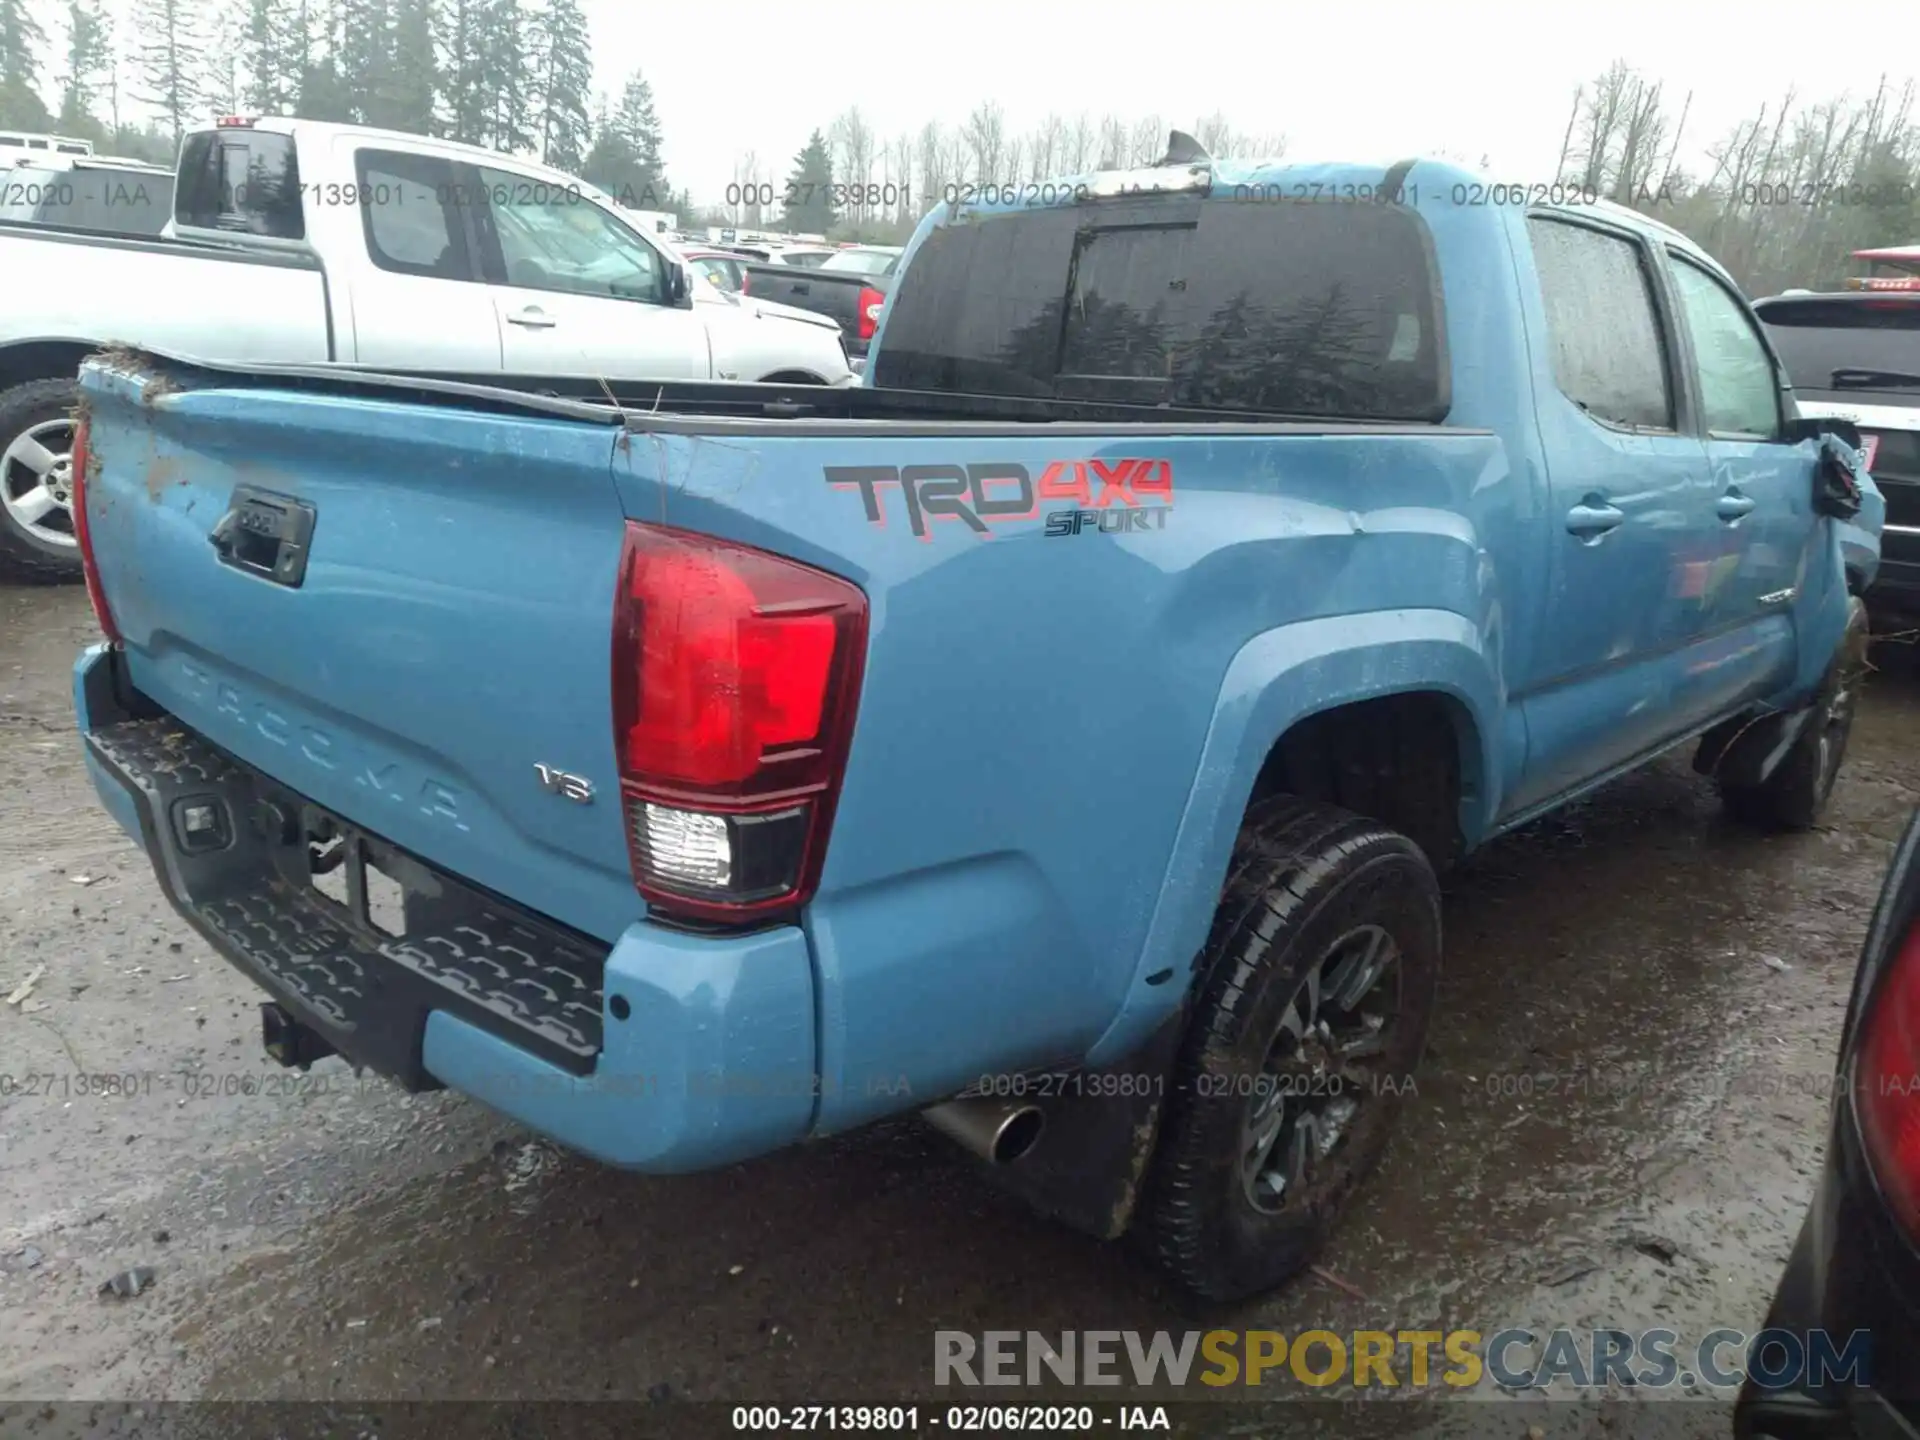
(985, 494)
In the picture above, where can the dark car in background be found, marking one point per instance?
(1855, 355)
(1855, 1268)
(851, 285)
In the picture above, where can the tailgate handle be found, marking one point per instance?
(265, 534)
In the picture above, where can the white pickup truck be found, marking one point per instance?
(298, 241)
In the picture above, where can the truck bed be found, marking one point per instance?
(183, 296)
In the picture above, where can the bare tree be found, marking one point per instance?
(1148, 141)
(749, 204)
(899, 171)
(1077, 146)
(986, 140)
(956, 159)
(1642, 133)
(1044, 147)
(853, 146)
(1214, 134)
(930, 154)
(1254, 147)
(1112, 147)
(1785, 198)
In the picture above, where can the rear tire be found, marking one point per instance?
(1795, 795)
(1317, 989)
(36, 518)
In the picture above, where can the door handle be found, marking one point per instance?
(1733, 505)
(533, 317)
(1592, 518)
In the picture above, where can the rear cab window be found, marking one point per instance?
(1877, 336)
(241, 180)
(1818, 336)
(1302, 307)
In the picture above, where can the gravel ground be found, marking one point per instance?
(1619, 1124)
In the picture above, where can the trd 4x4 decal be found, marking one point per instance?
(1109, 496)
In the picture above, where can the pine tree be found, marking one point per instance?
(89, 58)
(267, 50)
(809, 200)
(315, 48)
(224, 86)
(167, 60)
(504, 89)
(415, 76)
(387, 61)
(463, 104)
(639, 129)
(565, 54)
(20, 40)
(625, 160)
(365, 59)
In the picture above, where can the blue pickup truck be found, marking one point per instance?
(1059, 734)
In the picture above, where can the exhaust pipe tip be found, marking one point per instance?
(998, 1131)
(1017, 1134)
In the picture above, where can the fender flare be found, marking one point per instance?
(1277, 679)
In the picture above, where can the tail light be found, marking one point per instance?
(735, 678)
(1888, 1084)
(78, 457)
(870, 303)
(746, 282)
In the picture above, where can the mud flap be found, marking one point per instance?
(1101, 1128)
(1745, 750)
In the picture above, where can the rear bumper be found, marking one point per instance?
(662, 1052)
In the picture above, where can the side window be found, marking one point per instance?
(553, 238)
(241, 180)
(718, 271)
(409, 214)
(1738, 387)
(1601, 322)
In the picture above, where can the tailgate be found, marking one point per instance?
(836, 296)
(449, 635)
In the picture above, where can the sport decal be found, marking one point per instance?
(1104, 496)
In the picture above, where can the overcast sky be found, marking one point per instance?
(1361, 80)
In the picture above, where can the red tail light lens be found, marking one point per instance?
(79, 457)
(735, 678)
(1888, 1084)
(871, 303)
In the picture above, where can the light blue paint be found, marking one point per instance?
(1056, 736)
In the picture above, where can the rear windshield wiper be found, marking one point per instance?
(1847, 379)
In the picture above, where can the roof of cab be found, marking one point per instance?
(1416, 177)
(326, 130)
